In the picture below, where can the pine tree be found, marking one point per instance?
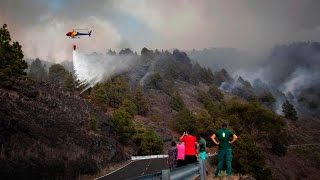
(37, 70)
(289, 111)
(57, 74)
(11, 63)
(141, 101)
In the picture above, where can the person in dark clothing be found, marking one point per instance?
(172, 156)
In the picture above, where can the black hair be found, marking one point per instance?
(225, 124)
(201, 134)
(173, 143)
(190, 131)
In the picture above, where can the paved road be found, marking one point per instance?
(138, 168)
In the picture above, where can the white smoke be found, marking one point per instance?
(142, 81)
(250, 75)
(301, 78)
(96, 68)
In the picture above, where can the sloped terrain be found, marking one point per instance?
(302, 160)
(46, 133)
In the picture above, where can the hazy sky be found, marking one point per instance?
(40, 25)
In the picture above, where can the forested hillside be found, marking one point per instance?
(48, 126)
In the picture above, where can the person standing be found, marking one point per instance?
(181, 154)
(202, 152)
(172, 156)
(223, 136)
(190, 143)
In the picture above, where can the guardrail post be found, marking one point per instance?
(166, 174)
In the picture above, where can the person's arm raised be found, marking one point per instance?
(184, 133)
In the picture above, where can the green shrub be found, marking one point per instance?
(111, 93)
(279, 143)
(57, 74)
(117, 91)
(176, 102)
(99, 94)
(129, 106)
(289, 111)
(204, 122)
(248, 157)
(141, 101)
(69, 82)
(123, 124)
(267, 98)
(93, 124)
(185, 121)
(148, 141)
(214, 108)
(253, 115)
(215, 93)
(154, 81)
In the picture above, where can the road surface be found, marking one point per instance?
(138, 168)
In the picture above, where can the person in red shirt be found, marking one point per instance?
(190, 143)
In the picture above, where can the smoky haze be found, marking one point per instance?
(40, 25)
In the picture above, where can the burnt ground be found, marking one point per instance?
(302, 160)
(46, 133)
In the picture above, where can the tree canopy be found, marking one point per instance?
(12, 64)
(289, 111)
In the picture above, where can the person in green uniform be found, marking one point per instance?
(223, 136)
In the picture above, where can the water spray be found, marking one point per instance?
(91, 69)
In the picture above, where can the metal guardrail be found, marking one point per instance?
(148, 157)
(189, 171)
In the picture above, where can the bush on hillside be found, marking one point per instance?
(204, 122)
(129, 106)
(248, 158)
(99, 94)
(279, 143)
(289, 111)
(93, 124)
(176, 102)
(253, 116)
(123, 124)
(215, 93)
(154, 81)
(185, 121)
(57, 74)
(69, 83)
(214, 108)
(148, 141)
(200, 74)
(267, 98)
(141, 101)
(117, 91)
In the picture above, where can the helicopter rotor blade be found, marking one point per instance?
(81, 29)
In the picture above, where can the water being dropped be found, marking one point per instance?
(91, 69)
